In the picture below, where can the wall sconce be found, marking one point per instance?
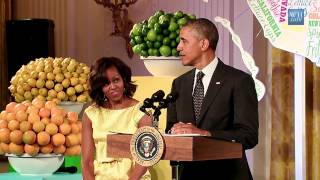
(121, 21)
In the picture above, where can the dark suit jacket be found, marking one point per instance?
(229, 111)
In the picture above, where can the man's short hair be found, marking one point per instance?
(206, 29)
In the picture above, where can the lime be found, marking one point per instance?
(136, 49)
(173, 26)
(178, 31)
(150, 26)
(159, 37)
(174, 52)
(182, 21)
(131, 35)
(150, 52)
(178, 14)
(172, 19)
(143, 46)
(157, 44)
(138, 39)
(169, 15)
(165, 32)
(164, 20)
(144, 22)
(166, 41)
(149, 44)
(157, 28)
(144, 53)
(192, 16)
(152, 20)
(156, 25)
(155, 52)
(173, 44)
(132, 42)
(152, 35)
(137, 28)
(159, 13)
(165, 50)
(178, 39)
(144, 30)
(173, 35)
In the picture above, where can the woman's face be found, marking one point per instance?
(114, 90)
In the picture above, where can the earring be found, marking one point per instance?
(105, 99)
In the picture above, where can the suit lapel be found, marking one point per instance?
(188, 110)
(214, 86)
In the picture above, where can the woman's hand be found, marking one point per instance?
(137, 172)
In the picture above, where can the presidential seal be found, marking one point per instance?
(146, 146)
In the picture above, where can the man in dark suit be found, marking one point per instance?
(220, 102)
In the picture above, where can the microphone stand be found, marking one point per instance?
(155, 117)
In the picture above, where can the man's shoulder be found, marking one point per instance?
(234, 72)
(185, 75)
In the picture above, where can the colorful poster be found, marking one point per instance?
(291, 25)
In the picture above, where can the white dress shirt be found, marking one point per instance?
(208, 72)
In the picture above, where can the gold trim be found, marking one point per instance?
(153, 138)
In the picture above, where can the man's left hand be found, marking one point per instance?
(188, 128)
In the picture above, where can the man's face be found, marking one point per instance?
(189, 46)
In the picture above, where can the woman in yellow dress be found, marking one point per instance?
(113, 110)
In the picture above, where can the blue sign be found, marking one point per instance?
(295, 16)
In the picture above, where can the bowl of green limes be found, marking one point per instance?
(159, 35)
(165, 66)
(155, 40)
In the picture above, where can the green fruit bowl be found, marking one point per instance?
(165, 66)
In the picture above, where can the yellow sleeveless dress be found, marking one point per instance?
(105, 121)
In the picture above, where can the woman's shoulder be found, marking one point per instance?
(92, 109)
(135, 104)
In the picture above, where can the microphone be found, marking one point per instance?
(173, 96)
(147, 103)
(157, 96)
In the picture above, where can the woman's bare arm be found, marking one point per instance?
(87, 148)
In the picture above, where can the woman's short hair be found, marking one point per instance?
(98, 80)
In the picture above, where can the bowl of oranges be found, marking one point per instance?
(39, 165)
(38, 133)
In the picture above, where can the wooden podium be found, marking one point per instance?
(179, 148)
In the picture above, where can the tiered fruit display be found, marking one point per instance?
(39, 127)
(159, 35)
(59, 79)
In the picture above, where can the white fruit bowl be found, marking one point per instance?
(71, 106)
(40, 165)
(165, 66)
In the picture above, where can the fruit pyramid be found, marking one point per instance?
(59, 79)
(39, 127)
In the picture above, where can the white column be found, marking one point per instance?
(299, 117)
